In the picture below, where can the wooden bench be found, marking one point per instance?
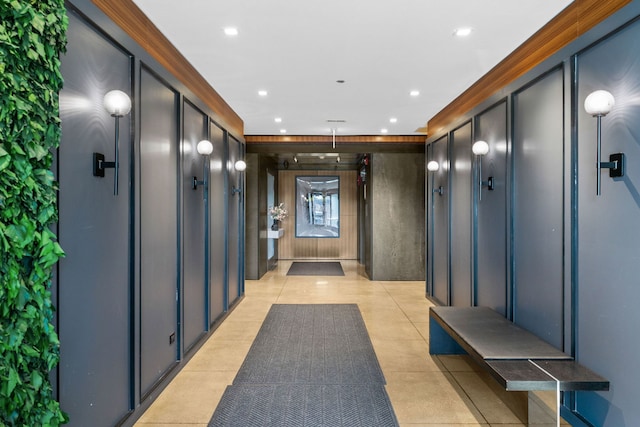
(517, 359)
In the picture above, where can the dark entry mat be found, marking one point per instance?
(311, 344)
(329, 405)
(315, 269)
(309, 365)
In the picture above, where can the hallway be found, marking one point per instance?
(424, 390)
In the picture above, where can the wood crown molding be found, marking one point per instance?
(575, 20)
(355, 139)
(130, 18)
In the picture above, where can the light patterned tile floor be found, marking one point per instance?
(425, 391)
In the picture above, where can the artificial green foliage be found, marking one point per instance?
(32, 37)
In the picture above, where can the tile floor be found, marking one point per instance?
(425, 391)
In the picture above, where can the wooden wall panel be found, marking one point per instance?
(344, 247)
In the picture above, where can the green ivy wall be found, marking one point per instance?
(32, 37)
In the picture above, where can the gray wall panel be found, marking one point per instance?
(491, 239)
(461, 216)
(234, 221)
(268, 192)
(217, 224)
(267, 183)
(538, 165)
(158, 239)
(608, 277)
(256, 250)
(193, 239)
(253, 244)
(365, 197)
(93, 282)
(440, 225)
(399, 247)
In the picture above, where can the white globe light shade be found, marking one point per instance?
(480, 148)
(117, 103)
(599, 103)
(433, 166)
(204, 147)
(240, 165)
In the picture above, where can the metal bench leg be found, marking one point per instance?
(440, 342)
(544, 410)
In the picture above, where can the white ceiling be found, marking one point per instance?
(297, 50)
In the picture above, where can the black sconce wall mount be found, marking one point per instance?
(598, 104)
(118, 104)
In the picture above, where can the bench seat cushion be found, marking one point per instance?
(492, 336)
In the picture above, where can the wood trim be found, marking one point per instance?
(575, 20)
(355, 139)
(135, 23)
(592, 12)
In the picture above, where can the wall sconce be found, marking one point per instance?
(204, 148)
(118, 104)
(599, 104)
(432, 167)
(481, 148)
(240, 166)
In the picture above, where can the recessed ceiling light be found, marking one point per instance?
(263, 93)
(462, 31)
(278, 119)
(414, 93)
(231, 31)
(384, 130)
(283, 131)
(393, 120)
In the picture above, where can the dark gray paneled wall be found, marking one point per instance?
(608, 233)
(538, 206)
(268, 196)
(235, 200)
(158, 229)
(440, 221)
(572, 256)
(365, 195)
(134, 274)
(460, 199)
(256, 250)
(194, 286)
(398, 216)
(256, 263)
(252, 251)
(218, 223)
(491, 209)
(94, 304)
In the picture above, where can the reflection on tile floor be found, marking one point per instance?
(444, 391)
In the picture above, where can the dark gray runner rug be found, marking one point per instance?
(315, 269)
(310, 365)
(311, 344)
(304, 405)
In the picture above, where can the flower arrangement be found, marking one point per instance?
(278, 213)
